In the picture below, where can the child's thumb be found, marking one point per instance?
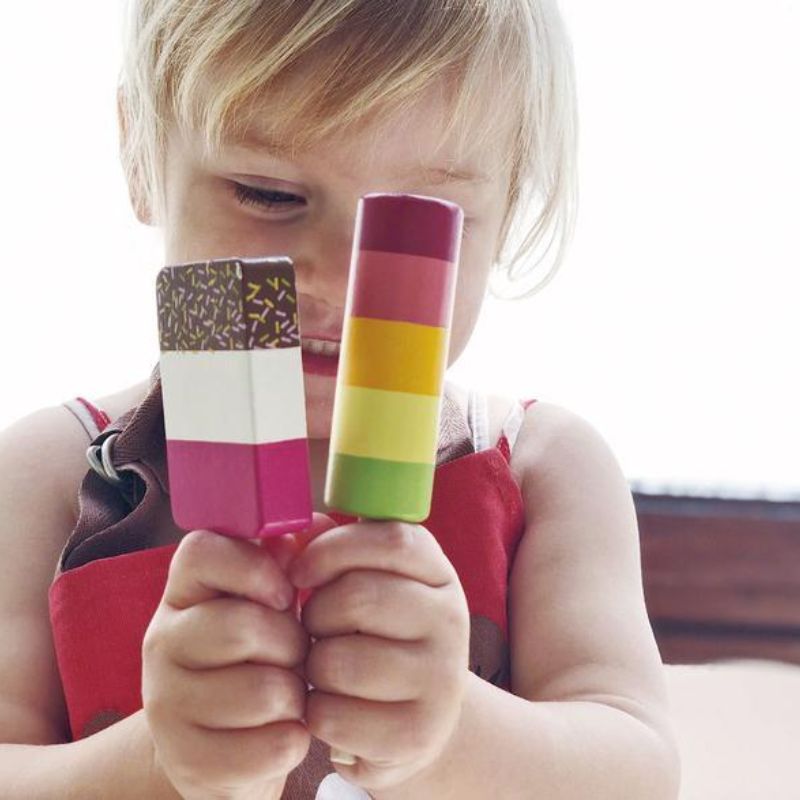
(284, 549)
(320, 524)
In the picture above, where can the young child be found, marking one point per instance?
(500, 649)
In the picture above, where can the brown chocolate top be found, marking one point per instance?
(228, 304)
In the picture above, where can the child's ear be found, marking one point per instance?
(136, 186)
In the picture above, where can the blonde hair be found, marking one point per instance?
(209, 65)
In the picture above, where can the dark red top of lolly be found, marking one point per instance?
(408, 223)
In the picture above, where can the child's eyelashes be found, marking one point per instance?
(268, 199)
(273, 200)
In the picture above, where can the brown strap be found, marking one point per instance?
(119, 519)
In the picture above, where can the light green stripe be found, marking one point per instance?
(377, 489)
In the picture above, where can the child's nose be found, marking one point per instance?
(324, 269)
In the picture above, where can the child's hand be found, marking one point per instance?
(221, 695)
(391, 656)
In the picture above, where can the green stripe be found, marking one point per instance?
(378, 489)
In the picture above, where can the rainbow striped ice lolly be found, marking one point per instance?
(234, 401)
(394, 355)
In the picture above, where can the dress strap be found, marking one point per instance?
(478, 418)
(93, 420)
(512, 426)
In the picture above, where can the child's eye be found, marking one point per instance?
(265, 198)
(272, 200)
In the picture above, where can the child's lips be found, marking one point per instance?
(320, 353)
(320, 364)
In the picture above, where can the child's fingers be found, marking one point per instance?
(284, 549)
(399, 547)
(229, 630)
(365, 728)
(226, 758)
(299, 542)
(238, 696)
(320, 524)
(369, 667)
(208, 565)
(376, 603)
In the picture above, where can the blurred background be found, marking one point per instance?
(672, 326)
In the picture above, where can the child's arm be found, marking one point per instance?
(116, 762)
(41, 458)
(588, 714)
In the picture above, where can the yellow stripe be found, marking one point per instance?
(395, 356)
(393, 426)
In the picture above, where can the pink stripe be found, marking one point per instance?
(404, 288)
(240, 489)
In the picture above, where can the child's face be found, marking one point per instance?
(313, 215)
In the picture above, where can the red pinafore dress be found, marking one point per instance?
(112, 571)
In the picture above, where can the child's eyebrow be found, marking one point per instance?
(432, 176)
(437, 176)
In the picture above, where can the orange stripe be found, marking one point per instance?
(394, 356)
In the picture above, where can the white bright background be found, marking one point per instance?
(672, 326)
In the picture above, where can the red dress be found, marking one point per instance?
(100, 609)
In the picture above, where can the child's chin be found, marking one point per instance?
(319, 413)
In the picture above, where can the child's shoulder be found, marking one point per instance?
(559, 452)
(545, 437)
(41, 453)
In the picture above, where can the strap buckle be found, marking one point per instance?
(99, 458)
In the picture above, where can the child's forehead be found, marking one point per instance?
(419, 137)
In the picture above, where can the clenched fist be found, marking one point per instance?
(389, 658)
(222, 682)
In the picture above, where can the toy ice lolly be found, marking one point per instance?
(394, 354)
(234, 402)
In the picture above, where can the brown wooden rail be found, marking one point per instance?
(721, 577)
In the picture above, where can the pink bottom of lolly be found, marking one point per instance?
(240, 490)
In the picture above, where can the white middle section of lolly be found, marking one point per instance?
(237, 396)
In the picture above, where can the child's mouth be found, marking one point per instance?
(320, 356)
(321, 347)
